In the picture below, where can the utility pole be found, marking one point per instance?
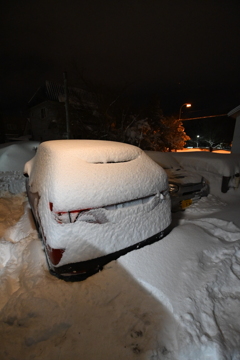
(66, 104)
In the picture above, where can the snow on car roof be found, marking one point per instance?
(87, 173)
(93, 151)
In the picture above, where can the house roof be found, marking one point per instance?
(56, 92)
(235, 112)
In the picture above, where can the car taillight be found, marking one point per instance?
(66, 217)
(55, 255)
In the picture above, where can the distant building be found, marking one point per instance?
(47, 113)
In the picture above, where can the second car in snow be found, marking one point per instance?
(185, 187)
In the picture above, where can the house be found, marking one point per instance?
(47, 113)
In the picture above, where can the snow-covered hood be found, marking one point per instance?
(182, 176)
(176, 173)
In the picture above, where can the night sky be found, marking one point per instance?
(183, 51)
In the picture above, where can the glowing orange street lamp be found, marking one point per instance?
(180, 111)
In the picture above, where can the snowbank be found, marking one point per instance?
(224, 167)
(221, 164)
(13, 157)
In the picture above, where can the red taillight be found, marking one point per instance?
(54, 255)
(66, 217)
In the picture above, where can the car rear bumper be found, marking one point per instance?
(176, 201)
(82, 270)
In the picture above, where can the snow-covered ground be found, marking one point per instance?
(177, 299)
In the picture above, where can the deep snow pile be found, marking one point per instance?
(13, 156)
(177, 299)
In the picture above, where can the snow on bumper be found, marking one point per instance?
(123, 227)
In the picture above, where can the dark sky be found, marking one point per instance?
(184, 51)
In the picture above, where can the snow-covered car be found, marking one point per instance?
(94, 201)
(185, 187)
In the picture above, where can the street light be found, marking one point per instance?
(180, 111)
(197, 140)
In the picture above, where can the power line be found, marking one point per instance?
(203, 117)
